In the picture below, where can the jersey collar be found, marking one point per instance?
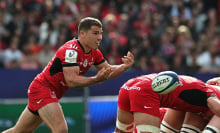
(82, 46)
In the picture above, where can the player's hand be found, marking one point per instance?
(128, 60)
(103, 74)
(214, 81)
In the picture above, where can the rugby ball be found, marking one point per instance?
(165, 82)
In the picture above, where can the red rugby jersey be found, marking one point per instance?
(70, 54)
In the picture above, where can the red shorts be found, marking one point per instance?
(40, 94)
(162, 113)
(135, 97)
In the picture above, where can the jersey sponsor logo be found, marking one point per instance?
(159, 82)
(71, 56)
(147, 107)
(38, 102)
(85, 63)
(131, 88)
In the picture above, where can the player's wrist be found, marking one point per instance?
(126, 67)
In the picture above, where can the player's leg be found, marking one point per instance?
(27, 123)
(52, 115)
(146, 123)
(172, 121)
(124, 122)
(213, 125)
(162, 113)
(193, 123)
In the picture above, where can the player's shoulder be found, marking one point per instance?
(149, 76)
(72, 44)
(187, 77)
(145, 78)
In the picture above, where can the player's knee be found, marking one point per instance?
(60, 129)
(147, 128)
(211, 129)
(10, 130)
(20, 130)
(166, 128)
(125, 127)
(189, 129)
(63, 130)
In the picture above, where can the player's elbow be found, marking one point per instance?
(70, 84)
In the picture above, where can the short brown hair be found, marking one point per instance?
(88, 22)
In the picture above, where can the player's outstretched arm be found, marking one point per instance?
(74, 80)
(106, 71)
(214, 81)
(117, 70)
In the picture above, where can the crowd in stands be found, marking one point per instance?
(178, 35)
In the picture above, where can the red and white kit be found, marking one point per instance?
(50, 85)
(191, 95)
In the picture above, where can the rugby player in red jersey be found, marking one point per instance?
(187, 122)
(139, 105)
(179, 121)
(65, 70)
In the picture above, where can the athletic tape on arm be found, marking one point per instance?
(125, 127)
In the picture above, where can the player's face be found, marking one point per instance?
(93, 37)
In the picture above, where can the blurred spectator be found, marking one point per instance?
(145, 48)
(32, 44)
(45, 55)
(209, 58)
(184, 39)
(12, 56)
(178, 63)
(191, 63)
(2, 48)
(29, 60)
(167, 48)
(168, 34)
(142, 63)
(157, 64)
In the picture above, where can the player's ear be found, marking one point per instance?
(80, 32)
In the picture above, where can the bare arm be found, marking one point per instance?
(214, 102)
(117, 70)
(214, 81)
(73, 79)
(106, 71)
(214, 105)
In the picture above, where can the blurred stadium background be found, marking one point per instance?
(178, 35)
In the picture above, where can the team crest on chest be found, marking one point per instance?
(85, 63)
(70, 56)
